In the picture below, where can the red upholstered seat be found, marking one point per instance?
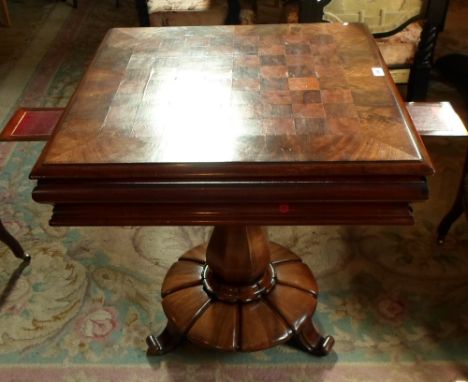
(31, 124)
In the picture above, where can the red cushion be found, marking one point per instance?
(31, 124)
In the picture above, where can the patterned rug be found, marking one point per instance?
(395, 301)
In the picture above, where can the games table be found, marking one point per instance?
(239, 127)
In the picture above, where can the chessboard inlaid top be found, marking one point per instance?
(235, 94)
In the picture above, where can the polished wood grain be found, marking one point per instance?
(189, 121)
(268, 303)
(237, 127)
(225, 245)
(287, 94)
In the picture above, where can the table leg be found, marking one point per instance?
(239, 293)
(13, 244)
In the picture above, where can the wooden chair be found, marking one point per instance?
(158, 13)
(75, 3)
(454, 68)
(391, 22)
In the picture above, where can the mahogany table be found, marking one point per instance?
(238, 127)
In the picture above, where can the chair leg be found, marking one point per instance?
(6, 13)
(13, 244)
(75, 3)
(143, 15)
(418, 84)
(457, 209)
(455, 212)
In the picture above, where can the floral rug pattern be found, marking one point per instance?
(395, 301)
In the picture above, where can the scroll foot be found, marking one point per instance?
(164, 343)
(313, 341)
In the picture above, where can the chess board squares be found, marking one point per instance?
(300, 59)
(303, 83)
(276, 97)
(221, 43)
(301, 70)
(271, 50)
(268, 83)
(326, 60)
(245, 72)
(278, 126)
(175, 67)
(197, 41)
(277, 110)
(306, 96)
(189, 85)
(193, 46)
(325, 52)
(246, 61)
(310, 126)
(246, 111)
(270, 40)
(245, 45)
(297, 48)
(274, 74)
(242, 97)
(276, 71)
(312, 110)
(272, 60)
(183, 43)
(259, 110)
(165, 63)
(324, 71)
(320, 39)
(141, 61)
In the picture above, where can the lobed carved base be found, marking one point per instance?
(273, 309)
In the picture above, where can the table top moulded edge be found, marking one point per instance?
(73, 187)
